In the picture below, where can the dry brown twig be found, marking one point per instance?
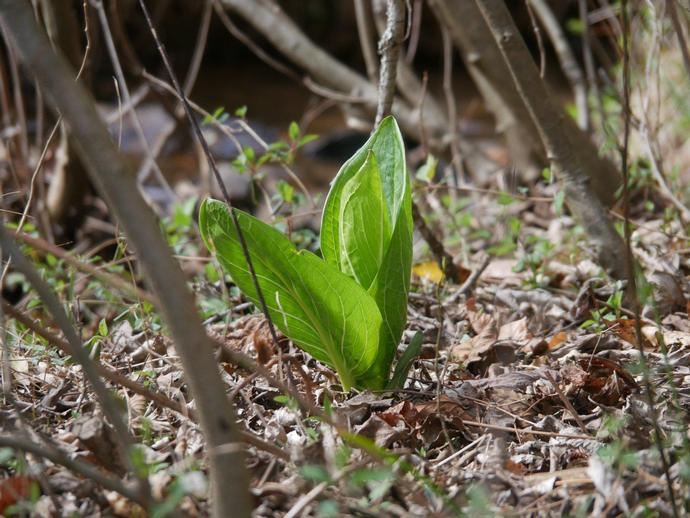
(389, 49)
(76, 350)
(112, 375)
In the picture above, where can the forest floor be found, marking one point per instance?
(530, 397)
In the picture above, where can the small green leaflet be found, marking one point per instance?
(324, 311)
(405, 362)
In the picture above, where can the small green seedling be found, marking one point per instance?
(349, 309)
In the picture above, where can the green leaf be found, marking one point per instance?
(314, 473)
(427, 171)
(321, 309)
(388, 148)
(390, 289)
(405, 362)
(364, 228)
(339, 242)
(293, 130)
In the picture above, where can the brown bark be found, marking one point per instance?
(489, 71)
(389, 48)
(117, 183)
(555, 137)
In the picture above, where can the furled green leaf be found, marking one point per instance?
(322, 310)
(390, 289)
(388, 148)
(391, 283)
(365, 227)
(411, 353)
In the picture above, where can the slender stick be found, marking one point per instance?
(76, 350)
(389, 49)
(119, 74)
(108, 278)
(81, 467)
(212, 165)
(365, 29)
(112, 375)
(632, 280)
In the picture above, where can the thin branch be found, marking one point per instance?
(389, 49)
(444, 259)
(76, 350)
(632, 277)
(365, 30)
(119, 74)
(469, 283)
(199, 48)
(115, 377)
(86, 469)
(108, 278)
(452, 107)
(214, 168)
(271, 22)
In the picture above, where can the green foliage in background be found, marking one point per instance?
(348, 310)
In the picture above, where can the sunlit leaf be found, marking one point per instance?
(323, 310)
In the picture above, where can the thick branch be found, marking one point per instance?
(569, 64)
(548, 119)
(116, 182)
(490, 73)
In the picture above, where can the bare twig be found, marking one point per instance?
(365, 29)
(119, 74)
(199, 48)
(108, 278)
(588, 58)
(76, 350)
(518, 431)
(469, 283)
(229, 132)
(112, 375)
(452, 107)
(566, 401)
(212, 165)
(415, 30)
(443, 257)
(270, 21)
(540, 40)
(389, 49)
(632, 274)
(81, 467)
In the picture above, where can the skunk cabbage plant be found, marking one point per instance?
(349, 309)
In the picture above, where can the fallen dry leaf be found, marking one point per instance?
(429, 271)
